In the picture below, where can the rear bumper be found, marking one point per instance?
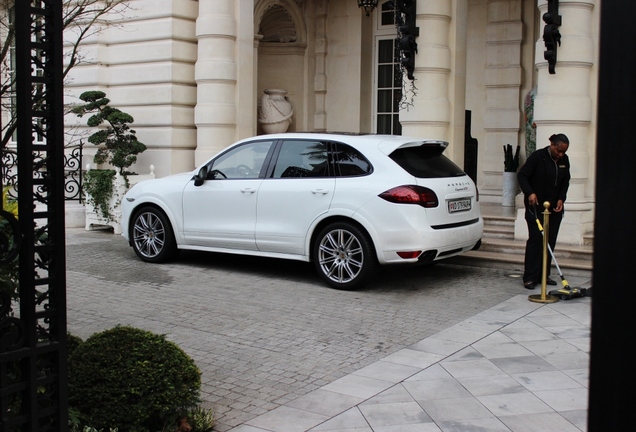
(435, 244)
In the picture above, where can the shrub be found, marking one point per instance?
(98, 186)
(131, 379)
(72, 343)
(201, 419)
(9, 245)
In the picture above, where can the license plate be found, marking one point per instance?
(459, 205)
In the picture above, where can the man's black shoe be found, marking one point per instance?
(550, 281)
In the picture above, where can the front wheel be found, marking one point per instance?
(343, 255)
(152, 236)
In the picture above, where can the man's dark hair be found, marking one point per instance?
(559, 138)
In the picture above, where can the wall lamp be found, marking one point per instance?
(368, 5)
(551, 34)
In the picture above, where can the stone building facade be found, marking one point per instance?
(192, 74)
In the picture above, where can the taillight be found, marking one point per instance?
(411, 194)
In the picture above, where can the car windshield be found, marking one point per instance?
(426, 161)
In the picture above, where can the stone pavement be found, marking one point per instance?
(518, 366)
(442, 348)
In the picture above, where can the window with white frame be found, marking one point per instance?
(387, 74)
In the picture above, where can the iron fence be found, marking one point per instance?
(73, 174)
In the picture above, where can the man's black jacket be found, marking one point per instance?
(548, 179)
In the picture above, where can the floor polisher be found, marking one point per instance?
(567, 292)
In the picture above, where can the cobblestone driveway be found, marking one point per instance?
(262, 331)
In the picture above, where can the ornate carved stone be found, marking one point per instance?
(275, 113)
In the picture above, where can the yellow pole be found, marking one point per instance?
(544, 297)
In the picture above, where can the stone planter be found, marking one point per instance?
(94, 218)
(510, 189)
(275, 113)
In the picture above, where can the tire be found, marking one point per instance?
(152, 236)
(344, 256)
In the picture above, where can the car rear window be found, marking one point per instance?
(349, 161)
(426, 161)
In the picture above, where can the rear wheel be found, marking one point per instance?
(343, 255)
(152, 236)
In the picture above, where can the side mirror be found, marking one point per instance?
(201, 176)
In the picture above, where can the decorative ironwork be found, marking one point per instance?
(33, 393)
(407, 32)
(8, 163)
(405, 47)
(73, 173)
(368, 5)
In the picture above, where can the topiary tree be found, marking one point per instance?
(120, 146)
(131, 379)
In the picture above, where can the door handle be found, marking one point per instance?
(320, 191)
(248, 190)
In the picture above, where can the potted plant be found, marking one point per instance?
(510, 183)
(119, 147)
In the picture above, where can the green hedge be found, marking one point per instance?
(131, 379)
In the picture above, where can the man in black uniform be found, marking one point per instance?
(544, 177)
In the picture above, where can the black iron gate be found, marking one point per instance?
(33, 371)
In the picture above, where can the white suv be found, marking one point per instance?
(347, 203)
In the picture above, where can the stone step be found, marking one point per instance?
(509, 254)
(517, 247)
(514, 263)
(499, 227)
(498, 232)
(500, 250)
(500, 221)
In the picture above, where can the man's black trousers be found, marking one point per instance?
(534, 246)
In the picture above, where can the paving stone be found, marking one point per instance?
(264, 331)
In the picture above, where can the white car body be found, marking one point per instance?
(280, 217)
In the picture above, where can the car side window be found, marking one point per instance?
(349, 162)
(302, 158)
(242, 162)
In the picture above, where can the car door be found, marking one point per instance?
(298, 191)
(221, 212)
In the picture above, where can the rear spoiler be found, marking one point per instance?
(389, 146)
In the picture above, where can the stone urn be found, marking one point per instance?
(275, 113)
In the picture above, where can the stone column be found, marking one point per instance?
(215, 76)
(320, 80)
(431, 115)
(502, 119)
(565, 103)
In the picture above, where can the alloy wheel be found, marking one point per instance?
(149, 235)
(341, 256)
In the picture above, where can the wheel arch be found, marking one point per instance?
(159, 207)
(338, 218)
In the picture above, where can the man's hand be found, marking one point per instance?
(559, 206)
(532, 200)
